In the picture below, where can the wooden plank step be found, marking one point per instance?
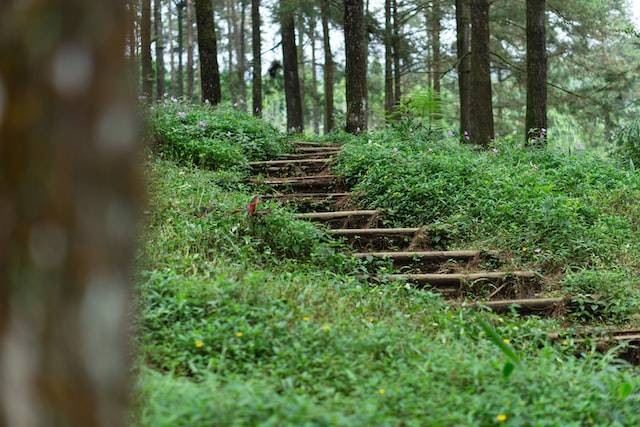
(316, 144)
(307, 179)
(436, 279)
(292, 162)
(326, 216)
(528, 304)
(318, 149)
(422, 255)
(302, 156)
(304, 196)
(374, 231)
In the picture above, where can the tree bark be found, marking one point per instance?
(231, 35)
(295, 121)
(389, 102)
(257, 58)
(328, 68)
(536, 117)
(208, 52)
(172, 55)
(396, 54)
(157, 21)
(315, 106)
(133, 17)
(436, 16)
(482, 131)
(180, 76)
(70, 194)
(190, 67)
(356, 66)
(301, 70)
(145, 54)
(463, 21)
(242, 60)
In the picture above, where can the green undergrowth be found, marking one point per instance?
(213, 138)
(261, 321)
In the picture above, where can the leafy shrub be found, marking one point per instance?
(603, 295)
(628, 143)
(213, 137)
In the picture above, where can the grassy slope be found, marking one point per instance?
(232, 332)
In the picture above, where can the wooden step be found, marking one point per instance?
(292, 162)
(435, 279)
(374, 232)
(318, 149)
(526, 305)
(324, 216)
(304, 196)
(435, 256)
(317, 144)
(304, 156)
(322, 182)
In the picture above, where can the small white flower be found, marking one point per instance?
(580, 146)
(369, 141)
(494, 151)
(182, 115)
(202, 124)
(538, 250)
(450, 133)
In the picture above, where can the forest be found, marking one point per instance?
(333, 212)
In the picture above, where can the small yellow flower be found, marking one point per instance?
(501, 418)
(506, 341)
(306, 318)
(381, 392)
(326, 327)
(239, 334)
(198, 343)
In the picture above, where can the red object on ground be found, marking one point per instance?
(253, 205)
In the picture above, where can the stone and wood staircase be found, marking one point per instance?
(304, 180)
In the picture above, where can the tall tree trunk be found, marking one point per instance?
(157, 21)
(428, 48)
(295, 120)
(436, 16)
(231, 36)
(463, 22)
(242, 60)
(190, 67)
(301, 69)
(315, 110)
(145, 34)
(388, 59)
(208, 52)
(328, 68)
(356, 66)
(257, 58)
(180, 77)
(482, 118)
(133, 17)
(70, 197)
(396, 54)
(536, 120)
(172, 55)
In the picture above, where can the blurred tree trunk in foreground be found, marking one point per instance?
(69, 203)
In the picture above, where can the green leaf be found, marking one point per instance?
(499, 342)
(624, 390)
(508, 369)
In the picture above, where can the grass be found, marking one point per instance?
(213, 138)
(259, 321)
